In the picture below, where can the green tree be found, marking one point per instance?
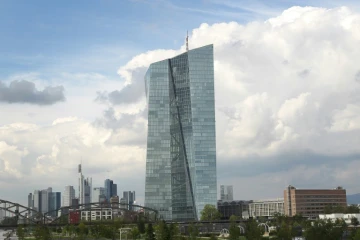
(352, 209)
(20, 232)
(278, 219)
(162, 231)
(193, 231)
(141, 225)
(135, 233)
(328, 209)
(234, 230)
(42, 233)
(252, 230)
(82, 230)
(150, 232)
(357, 235)
(354, 221)
(325, 230)
(210, 213)
(96, 231)
(284, 232)
(213, 237)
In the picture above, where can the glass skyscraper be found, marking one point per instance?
(181, 145)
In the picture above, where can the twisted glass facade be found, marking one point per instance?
(181, 146)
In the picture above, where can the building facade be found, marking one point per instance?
(226, 193)
(98, 195)
(312, 202)
(30, 200)
(84, 188)
(68, 196)
(114, 190)
(237, 208)
(181, 141)
(37, 200)
(128, 199)
(54, 203)
(110, 189)
(97, 214)
(108, 185)
(45, 199)
(266, 208)
(344, 216)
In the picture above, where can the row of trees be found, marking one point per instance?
(340, 209)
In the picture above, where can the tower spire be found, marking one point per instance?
(187, 41)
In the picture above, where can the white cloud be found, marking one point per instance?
(347, 119)
(64, 120)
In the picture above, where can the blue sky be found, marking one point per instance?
(41, 35)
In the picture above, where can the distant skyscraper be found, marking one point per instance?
(98, 194)
(45, 199)
(54, 203)
(84, 188)
(37, 200)
(30, 200)
(110, 189)
(108, 185)
(181, 144)
(114, 190)
(128, 198)
(226, 193)
(68, 196)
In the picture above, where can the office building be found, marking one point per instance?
(266, 208)
(237, 208)
(114, 190)
(114, 201)
(68, 196)
(108, 184)
(30, 200)
(54, 203)
(226, 193)
(98, 195)
(84, 188)
(45, 200)
(181, 147)
(129, 199)
(347, 217)
(312, 202)
(37, 201)
(97, 214)
(75, 203)
(110, 189)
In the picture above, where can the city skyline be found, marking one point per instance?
(71, 88)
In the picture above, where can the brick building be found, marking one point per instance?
(312, 202)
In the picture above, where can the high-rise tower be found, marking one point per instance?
(68, 196)
(84, 188)
(181, 145)
(226, 192)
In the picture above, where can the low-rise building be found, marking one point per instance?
(266, 208)
(343, 216)
(312, 202)
(96, 214)
(229, 208)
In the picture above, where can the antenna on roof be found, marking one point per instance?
(187, 40)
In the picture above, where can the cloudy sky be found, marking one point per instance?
(287, 90)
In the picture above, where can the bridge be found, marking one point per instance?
(62, 216)
(28, 217)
